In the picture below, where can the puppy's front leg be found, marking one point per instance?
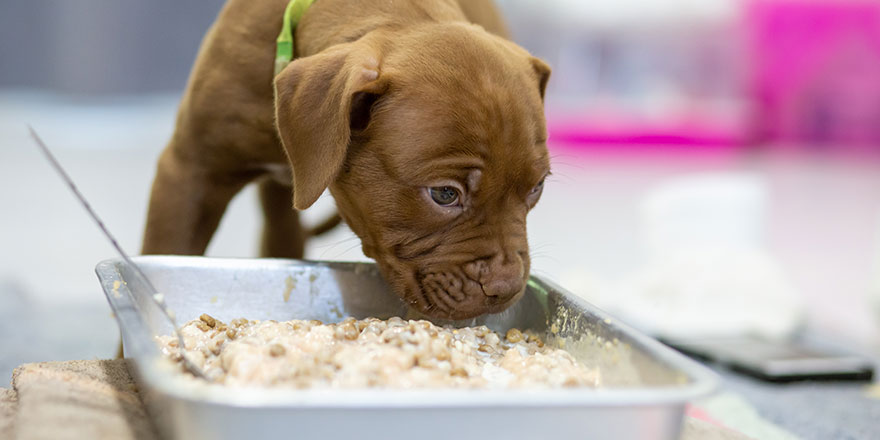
(283, 236)
(186, 204)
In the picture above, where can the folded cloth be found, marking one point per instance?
(77, 400)
(99, 400)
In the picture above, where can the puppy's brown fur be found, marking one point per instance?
(386, 100)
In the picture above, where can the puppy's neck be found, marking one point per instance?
(331, 22)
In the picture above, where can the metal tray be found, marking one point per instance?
(646, 385)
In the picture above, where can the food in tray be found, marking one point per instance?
(374, 353)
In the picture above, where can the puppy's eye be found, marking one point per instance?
(538, 187)
(444, 195)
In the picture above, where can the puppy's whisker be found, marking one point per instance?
(542, 247)
(338, 242)
(563, 155)
(568, 166)
(549, 258)
(540, 254)
(543, 274)
(349, 238)
(561, 178)
(554, 159)
(331, 247)
(350, 249)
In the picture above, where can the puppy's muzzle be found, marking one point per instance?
(474, 288)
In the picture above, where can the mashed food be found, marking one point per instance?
(371, 353)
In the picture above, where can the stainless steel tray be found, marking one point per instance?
(646, 385)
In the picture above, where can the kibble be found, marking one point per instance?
(207, 319)
(276, 350)
(366, 353)
(514, 335)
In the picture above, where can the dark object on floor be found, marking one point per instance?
(772, 361)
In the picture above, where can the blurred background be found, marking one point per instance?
(716, 162)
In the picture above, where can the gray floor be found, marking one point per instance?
(826, 214)
(34, 332)
(812, 410)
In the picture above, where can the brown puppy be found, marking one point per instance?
(427, 129)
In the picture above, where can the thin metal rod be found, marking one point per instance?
(89, 209)
(157, 299)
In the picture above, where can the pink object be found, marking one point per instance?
(816, 71)
(681, 134)
(699, 413)
(650, 89)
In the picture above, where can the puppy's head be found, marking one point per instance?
(433, 145)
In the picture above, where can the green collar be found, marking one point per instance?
(284, 44)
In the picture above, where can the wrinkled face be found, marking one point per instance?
(439, 182)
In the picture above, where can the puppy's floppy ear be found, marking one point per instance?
(318, 100)
(543, 72)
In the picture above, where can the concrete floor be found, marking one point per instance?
(824, 228)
